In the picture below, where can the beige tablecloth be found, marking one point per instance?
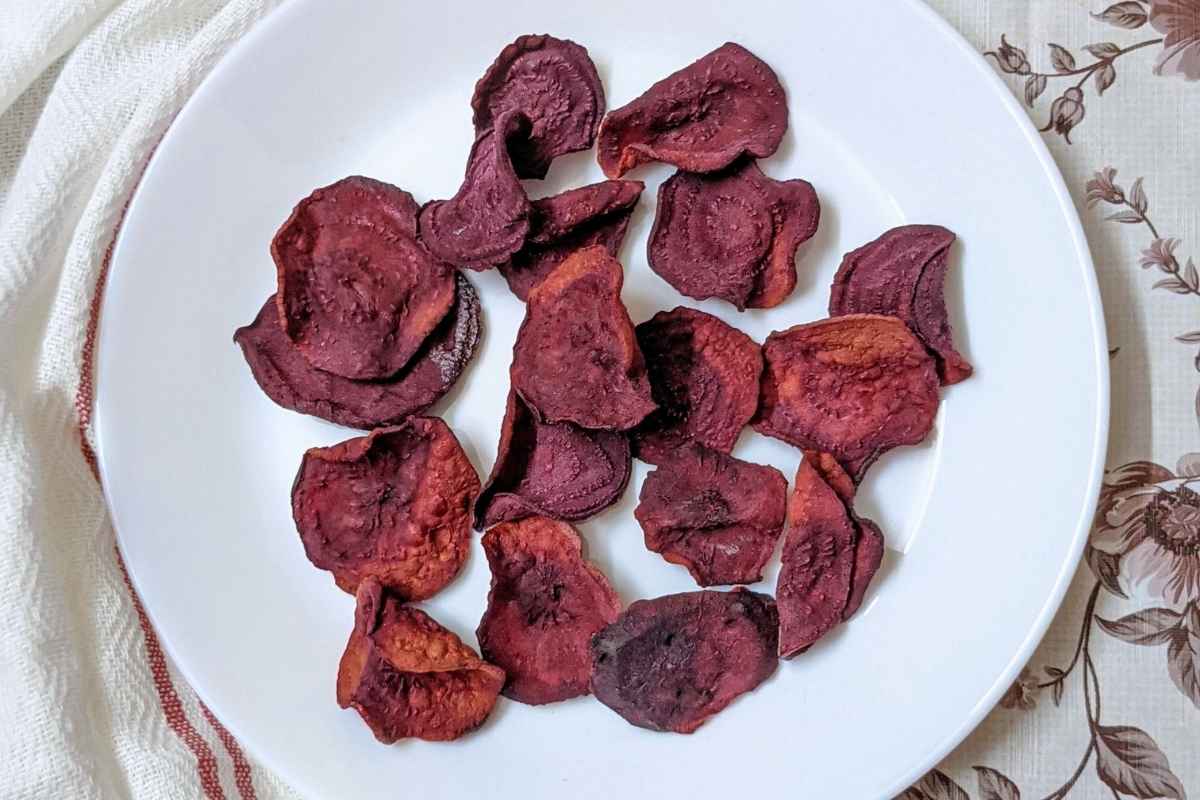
(1108, 707)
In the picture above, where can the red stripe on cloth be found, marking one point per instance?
(241, 767)
(168, 697)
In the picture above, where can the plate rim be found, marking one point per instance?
(1084, 260)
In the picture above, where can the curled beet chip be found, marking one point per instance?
(590, 215)
(732, 234)
(545, 604)
(670, 663)
(715, 514)
(902, 274)
(407, 676)
(869, 546)
(394, 505)
(554, 84)
(852, 386)
(358, 294)
(702, 118)
(704, 377)
(576, 358)
(817, 568)
(287, 378)
(488, 219)
(552, 469)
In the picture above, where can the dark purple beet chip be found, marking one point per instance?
(670, 663)
(715, 514)
(853, 386)
(704, 377)
(702, 118)
(817, 567)
(488, 218)
(288, 379)
(556, 470)
(358, 294)
(393, 505)
(590, 215)
(545, 604)
(902, 274)
(554, 83)
(576, 358)
(732, 235)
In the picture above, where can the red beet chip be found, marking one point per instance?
(902, 274)
(545, 604)
(554, 83)
(868, 548)
(393, 505)
(577, 218)
(702, 118)
(287, 378)
(552, 469)
(488, 218)
(715, 514)
(704, 377)
(852, 386)
(358, 294)
(407, 676)
(670, 663)
(732, 234)
(576, 358)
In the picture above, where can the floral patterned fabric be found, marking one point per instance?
(1109, 706)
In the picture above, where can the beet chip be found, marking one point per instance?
(868, 549)
(715, 514)
(560, 225)
(394, 505)
(552, 469)
(358, 294)
(554, 83)
(704, 377)
(488, 219)
(852, 386)
(407, 676)
(902, 274)
(670, 663)
(287, 378)
(732, 235)
(576, 358)
(702, 118)
(545, 604)
(817, 568)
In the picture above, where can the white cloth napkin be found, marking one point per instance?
(89, 707)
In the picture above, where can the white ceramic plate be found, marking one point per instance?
(894, 119)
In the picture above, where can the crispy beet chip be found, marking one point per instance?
(576, 358)
(287, 378)
(670, 663)
(715, 514)
(868, 547)
(817, 568)
(702, 118)
(554, 83)
(552, 469)
(407, 676)
(902, 274)
(852, 386)
(358, 294)
(488, 219)
(732, 234)
(590, 215)
(704, 377)
(545, 604)
(394, 505)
